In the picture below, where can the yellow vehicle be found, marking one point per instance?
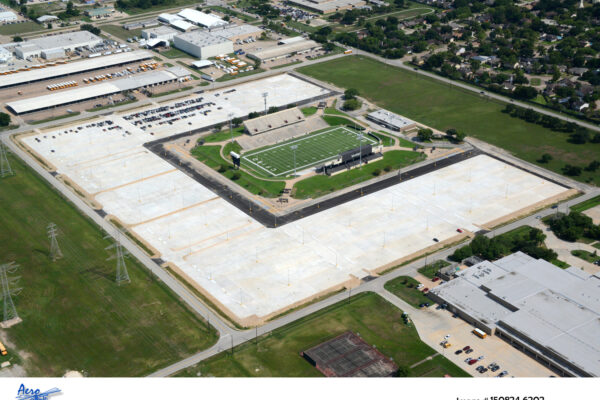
(480, 333)
(348, 52)
(3, 349)
(447, 344)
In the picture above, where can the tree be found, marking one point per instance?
(403, 371)
(351, 93)
(425, 134)
(90, 28)
(352, 104)
(593, 166)
(525, 92)
(4, 119)
(545, 159)
(17, 39)
(571, 170)
(460, 136)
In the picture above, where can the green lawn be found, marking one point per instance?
(334, 120)
(586, 255)
(308, 111)
(586, 205)
(174, 53)
(405, 287)
(223, 135)
(313, 149)
(118, 31)
(74, 316)
(211, 156)
(321, 185)
(25, 27)
(444, 106)
(535, 81)
(277, 354)
(62, 116)
(431, 270)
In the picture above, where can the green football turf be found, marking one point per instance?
(314, 149)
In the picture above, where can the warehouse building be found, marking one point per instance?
(161, 33)
(66, 41)
(5, 55)
(201, 19)
(183, 26)
(392, 121)
(169, 18)
(7, 16)
(203, 44)
(141, 24)
(285, 50)
(328, 6)
(238, 33)
(61, 70)
(147, 80)
(551, 314)
(46, 18)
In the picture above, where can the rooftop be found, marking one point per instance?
(392, 119)
(70, 39)
(552, 309)
(202, 38)
(236, 30)
(200, 18)
(282, 50)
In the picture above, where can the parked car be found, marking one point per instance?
(466, 348)
(469, 351)
(457, 352)
(459, 230)
(480, 358)
(473, 361)
(435, 279)
(436, 240)
(503, 373)
(468, 360)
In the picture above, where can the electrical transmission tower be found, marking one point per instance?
(55, 252)
(122, 275)
(5, 169)
(7, 282)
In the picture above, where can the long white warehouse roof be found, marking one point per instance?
(72, 68)
(201, 18)
(102, 89)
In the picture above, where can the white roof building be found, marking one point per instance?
(66, 41)
(5, 55)
(7, 16)
(281, 51)
(203, 44)
(168, 18)
(200, 18)
(161, 32)
(182, 25)
(46, 18)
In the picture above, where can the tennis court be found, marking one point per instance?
(311, 150)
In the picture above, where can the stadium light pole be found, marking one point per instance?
(230, 115)
(294, 147)
(264, 95)
(360, 137)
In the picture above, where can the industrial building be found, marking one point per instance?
(7, 16)
(60, 70)
(285, 50)
(161, 33)
(549, 313)
(273, 121)
(145, 80)
(237, 33)
(141, 24)
(391, 121)
(5, 55)
(46, 18)
(328, 6)
(66, 41)
(99, 12)
(183, 26)
(203, 44)
(201, 19)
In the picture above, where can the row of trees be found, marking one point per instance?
(574, 226)
(499, 246)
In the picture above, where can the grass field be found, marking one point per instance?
(586, 205)
(443, 106)
(277, 354)
(313, 149)
(74, 316)
(586, 255)
(25, 27)
(320, 185)
(118, 31)
(405, 287)
(211, 156)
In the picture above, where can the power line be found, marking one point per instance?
(55, 252)
(5, 169)
(7, 283)
(122, 276)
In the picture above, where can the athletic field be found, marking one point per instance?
(313, 149)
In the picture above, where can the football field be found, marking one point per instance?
(312, 150)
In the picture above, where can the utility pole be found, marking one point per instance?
(122, 276)
(55, 252)
(230, 115)
(264, 95)
(9, 310)
(5, 169)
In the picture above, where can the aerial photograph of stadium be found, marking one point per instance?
(299, 189)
